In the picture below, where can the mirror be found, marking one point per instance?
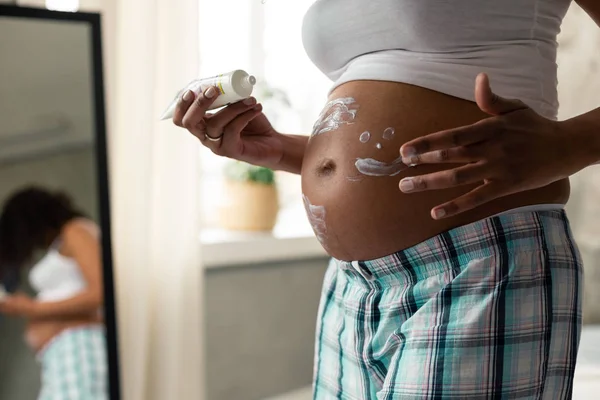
(57, 331)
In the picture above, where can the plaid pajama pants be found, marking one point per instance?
(490, 310)
(74, 366)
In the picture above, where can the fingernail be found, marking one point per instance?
(407, 185)
(257, 107)
(210, 92)
(249, 101)
(439, 213)
(409, 151)
(188, 95)
(410, 161)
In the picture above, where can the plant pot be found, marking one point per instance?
(248, 206)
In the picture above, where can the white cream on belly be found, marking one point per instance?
(336, 113)
(373, 167)
(365, 137)
(389, 133)
(316, 217)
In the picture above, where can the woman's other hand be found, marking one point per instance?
(240, 130)
(19, 305)
(514, 150)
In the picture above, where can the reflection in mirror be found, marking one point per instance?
(52, 334)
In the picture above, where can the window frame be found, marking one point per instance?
(255, 16)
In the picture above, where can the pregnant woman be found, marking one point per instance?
(435, 177)
(65, 324)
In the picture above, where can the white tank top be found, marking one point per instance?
(441, 45)
(56, 277)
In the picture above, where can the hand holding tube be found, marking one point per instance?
(240, 131)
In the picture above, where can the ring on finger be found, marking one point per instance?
(213, 139)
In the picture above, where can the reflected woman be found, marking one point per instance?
(65, 324)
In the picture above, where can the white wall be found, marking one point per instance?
(84, 5)
(579, 89)
(73, 172)
(47, 85)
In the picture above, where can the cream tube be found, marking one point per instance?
(232, 86)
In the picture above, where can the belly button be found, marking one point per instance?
(326, 167)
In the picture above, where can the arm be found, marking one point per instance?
(586, 127)
(293, 153)
(240, 131)
(512, 151)
(585, 133)
(592, 8)
(84, 247)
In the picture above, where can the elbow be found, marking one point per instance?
(96, 299)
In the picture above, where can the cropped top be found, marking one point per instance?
(56, 277)
(441, 45)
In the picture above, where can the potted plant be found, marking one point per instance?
(250, 198)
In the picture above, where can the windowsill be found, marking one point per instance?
(291, 239)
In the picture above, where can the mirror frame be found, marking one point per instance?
(102, 182)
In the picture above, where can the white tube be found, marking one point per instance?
(232, 86)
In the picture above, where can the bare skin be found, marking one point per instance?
(46, 320)
(368, 217)
(371, 217)
(39, 333)
(513, 150)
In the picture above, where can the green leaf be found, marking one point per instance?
(244, 172)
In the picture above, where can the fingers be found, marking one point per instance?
(196, 109)
(185, 100)
(6, 306)
(459, 176)
(475, 198)
(233, 130)
(450, 138)
(217, 122)
(455, 155)
(490, 102)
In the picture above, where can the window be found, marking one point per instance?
(63, 5)
(263, 38)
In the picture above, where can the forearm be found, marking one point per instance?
(584, 136)
(82, 304)
(294, 147)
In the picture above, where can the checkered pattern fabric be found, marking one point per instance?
(74, 366)
(490, 310)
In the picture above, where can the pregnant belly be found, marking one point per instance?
(40, 332)
(351, 170)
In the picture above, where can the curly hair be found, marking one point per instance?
(32, 218)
